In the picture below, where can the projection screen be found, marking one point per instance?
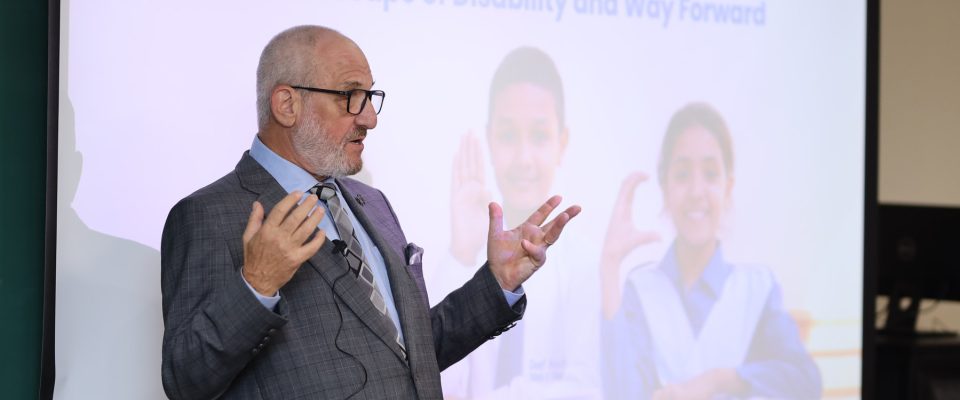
(716, 147)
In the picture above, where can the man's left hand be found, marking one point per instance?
(516, 254)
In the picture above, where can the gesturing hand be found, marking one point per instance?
(622, 237)
(468, 195)
(516, 254)
(275, 247)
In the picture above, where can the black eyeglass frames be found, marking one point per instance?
(356, 98)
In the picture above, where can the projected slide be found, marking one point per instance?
(716, 147)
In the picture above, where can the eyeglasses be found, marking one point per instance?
(356, 98)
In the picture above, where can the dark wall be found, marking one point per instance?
(23, 140)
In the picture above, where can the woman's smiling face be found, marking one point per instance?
(697, 186)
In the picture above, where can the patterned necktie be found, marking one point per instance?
(354, 253)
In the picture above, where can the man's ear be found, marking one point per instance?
(285, 105)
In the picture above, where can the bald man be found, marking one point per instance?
(285, 279)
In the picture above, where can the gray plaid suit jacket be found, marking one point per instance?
(325, 340)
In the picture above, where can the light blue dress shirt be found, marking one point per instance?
(292, 178)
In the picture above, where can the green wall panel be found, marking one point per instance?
(23, 130)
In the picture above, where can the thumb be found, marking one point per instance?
(496, 218)
(254, 223)
(627, 189)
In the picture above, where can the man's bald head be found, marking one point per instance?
(292, 57)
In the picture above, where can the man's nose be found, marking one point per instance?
(367, 117)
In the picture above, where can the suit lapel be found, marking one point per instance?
(257, 180)
(333, 268)
(327, 261)
(368, 213)
(414, 318)
(396, 266)
(400, 280)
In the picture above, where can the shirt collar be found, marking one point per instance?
(288, 175)
(713, 276)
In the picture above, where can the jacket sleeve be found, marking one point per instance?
(471, 315)
(213, 325)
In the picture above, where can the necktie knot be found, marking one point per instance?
(325, 191)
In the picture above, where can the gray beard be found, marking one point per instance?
(324, 156)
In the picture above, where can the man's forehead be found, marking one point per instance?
(342, 63)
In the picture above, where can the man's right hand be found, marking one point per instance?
(275, 247)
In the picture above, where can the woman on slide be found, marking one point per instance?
(694, 325)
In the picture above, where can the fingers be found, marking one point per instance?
(469, 156)
(475, 158)
(641, 238)
(537, 254)
(553, 230)
(318, 215)
(467, 162)
(458, 164)
(254, 222)
(496, 218)
(544, 211)
(280, 211)
(454, 174)
(311, 247)
(309, 225)
(299, 213)
(627, 190)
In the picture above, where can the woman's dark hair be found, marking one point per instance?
(695, 115)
